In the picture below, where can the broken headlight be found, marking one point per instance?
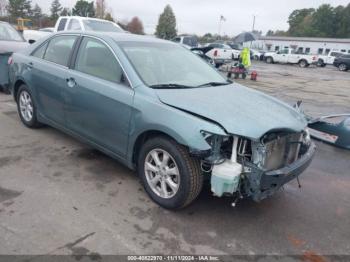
(216, 142)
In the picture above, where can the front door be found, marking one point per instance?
(98, 97)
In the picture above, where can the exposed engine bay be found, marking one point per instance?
(244, 168)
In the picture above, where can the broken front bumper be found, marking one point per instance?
(263, 184)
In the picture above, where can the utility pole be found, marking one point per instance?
(253, 23)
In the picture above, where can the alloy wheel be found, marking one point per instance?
(162, 173)
(26, 106)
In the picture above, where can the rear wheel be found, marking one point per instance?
(269, 60)
(170, 176)
(26, 107)
(303, 63)
(343, 67)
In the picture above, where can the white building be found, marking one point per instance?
(310, 45)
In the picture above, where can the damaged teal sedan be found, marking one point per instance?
(161, 110)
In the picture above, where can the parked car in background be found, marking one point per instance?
(222, 53)
(78, 23)
(324, 60)
(31, 36)
(290, 56)
(72, 23)
(342, 62)
(201, 52)
(188, 41)
(160, 109)
(257, 55)
(10, 41)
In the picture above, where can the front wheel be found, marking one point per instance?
(343, 67)
(170, 176)
(26, 107)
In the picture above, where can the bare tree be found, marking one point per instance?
(3, 5)
(135, 26)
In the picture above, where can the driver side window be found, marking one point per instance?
(96, 59)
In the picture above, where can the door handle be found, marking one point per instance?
(30, 65)
(71, 82)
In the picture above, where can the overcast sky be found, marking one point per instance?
(202, 16)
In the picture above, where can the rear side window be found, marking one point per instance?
(62, 24)
(96, 59)
(59, 49)
(39, 53)
(74, 25)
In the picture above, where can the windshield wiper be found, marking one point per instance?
(169, 86)
(216, 83)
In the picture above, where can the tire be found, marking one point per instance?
(269, 60)
(320, 63)
(188, 179)
(257, 58)
(26, 107)
(244, 76)
(303, 63)
(343, 67)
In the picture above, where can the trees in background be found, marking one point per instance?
(166, 27)
(56, 9)
(325, 21)
(84, 8)
(135, 26)
(19, 9)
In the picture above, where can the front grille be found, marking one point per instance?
(277, 150)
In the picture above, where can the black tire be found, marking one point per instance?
(33, 122)
(320, 63)
(303, 63)
(244, 76)
(191, 178)
(256, 57)
(343, 67)
(269, 60)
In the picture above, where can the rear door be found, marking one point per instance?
(49, 71)
(99, 97)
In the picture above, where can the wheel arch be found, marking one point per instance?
(143, 137)
(16, 87)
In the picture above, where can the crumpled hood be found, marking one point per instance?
(239, 110)
(12, 46)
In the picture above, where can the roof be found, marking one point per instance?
(119, 37)
(306, 39)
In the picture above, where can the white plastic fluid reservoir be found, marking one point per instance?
(225, 178)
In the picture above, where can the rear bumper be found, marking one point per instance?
(272, 181)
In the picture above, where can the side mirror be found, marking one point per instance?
(31, 41)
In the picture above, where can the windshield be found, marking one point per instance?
(101, 26)
(8, 33)
(169, 64)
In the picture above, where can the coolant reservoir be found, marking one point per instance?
(225, 178)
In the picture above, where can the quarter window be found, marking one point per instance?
(74, 25)
(62, 24)
(39, 53)
(59, 49)
(96, 59)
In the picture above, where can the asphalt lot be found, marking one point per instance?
(58, 196)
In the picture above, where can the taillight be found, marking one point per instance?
(216, 53)
(10, 60)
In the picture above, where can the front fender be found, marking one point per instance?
(185, 128)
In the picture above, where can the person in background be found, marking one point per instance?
(245, 57)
